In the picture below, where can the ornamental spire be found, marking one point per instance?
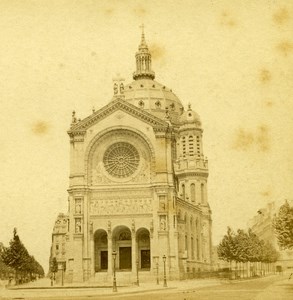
(143, 60)
(143, 42)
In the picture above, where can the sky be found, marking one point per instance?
(232, 60)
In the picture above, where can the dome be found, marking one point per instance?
(189, 117)
(153, 97)
(146, 93)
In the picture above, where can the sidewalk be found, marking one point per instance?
(42, 288)
(280, 290)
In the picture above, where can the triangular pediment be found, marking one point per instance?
(122, 105)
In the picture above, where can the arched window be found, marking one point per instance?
(202, 193)
(197, 145)
(183, 146)
(197, 248)
(158, 104)
(179, 215)
(186, 243)
(192, 248)
(191, 145)
(192, 192)
(183, 191)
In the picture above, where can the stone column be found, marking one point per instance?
(92, 246)
(133, 254)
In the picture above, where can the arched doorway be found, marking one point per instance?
(122, 245)
(101, 250)
(144, 251)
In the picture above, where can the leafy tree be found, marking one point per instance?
(242, 243)
(5, 270)
(227, 249)
(283, 225)
(270, 254)
(54, 267)
(17, 257)
(244, 247)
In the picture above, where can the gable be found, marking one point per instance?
(124, 106)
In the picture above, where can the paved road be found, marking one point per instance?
(270, 288)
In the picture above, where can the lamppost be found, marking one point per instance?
(165, 278)
(114, 272)
(137, 279)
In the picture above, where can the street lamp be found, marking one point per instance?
(137, 280)
(114, 272)
(165, 279)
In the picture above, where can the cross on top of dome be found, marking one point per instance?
(143, 44)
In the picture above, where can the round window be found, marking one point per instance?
(121, 160)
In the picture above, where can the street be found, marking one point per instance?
(268, 288)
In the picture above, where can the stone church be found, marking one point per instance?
(137, 186)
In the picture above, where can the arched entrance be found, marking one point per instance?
(144, 251)
(101, 250)
(122, 244)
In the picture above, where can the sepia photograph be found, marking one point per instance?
(147, 149)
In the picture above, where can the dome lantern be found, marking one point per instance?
(143, 61)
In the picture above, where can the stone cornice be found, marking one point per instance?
(118, 104)
(188, 205)
(76, 136)
(188, 173)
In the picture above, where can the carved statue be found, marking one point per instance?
(151, 228)
(115, 89)
(121, 88)
(78, 207)
(77, 226)
(109, 226)
(91, 227)
(163, 224)
(133, 226)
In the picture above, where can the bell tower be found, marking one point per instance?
(192, 167)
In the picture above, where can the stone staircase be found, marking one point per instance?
(122, 278)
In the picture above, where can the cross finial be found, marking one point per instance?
(142, 28)
(142, 34)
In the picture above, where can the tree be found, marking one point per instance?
(283, 225)
(5, 270)
(227, 249)
(17, 257)
(54, 267)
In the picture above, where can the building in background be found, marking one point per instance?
(58, 246)
(138, 186)
(262, 225)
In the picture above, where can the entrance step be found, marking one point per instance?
(122, 278)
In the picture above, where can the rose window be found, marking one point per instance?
(121, 160)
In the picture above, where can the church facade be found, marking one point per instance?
(138, 186)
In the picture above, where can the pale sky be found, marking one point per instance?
(232, 60)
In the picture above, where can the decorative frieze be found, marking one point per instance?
(121, 194)
(121, 206)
